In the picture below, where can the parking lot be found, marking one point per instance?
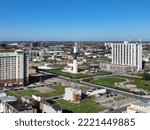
(114, 101)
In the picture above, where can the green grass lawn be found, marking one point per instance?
(58, 90)
(142, 83)
(109, 81)
(21, 93)
(138, 74)
(86, 106)
(70, 75)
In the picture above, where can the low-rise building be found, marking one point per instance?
(95, 92)
(72, 95)
(139, 107)
(49, 106)
(4, 99)
(117, 68)
(47, 66)
(18, 107)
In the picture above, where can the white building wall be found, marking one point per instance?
(20, 66)
(120, 54)
(128, 59)
(112, 54)
(68, 94)
(127, 54)
(135, 55)
(117, 54)
(139, 63)
(48, 109)
(123, 56)
(1, 107)
(131, 55)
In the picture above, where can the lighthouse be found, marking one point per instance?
(75, 69)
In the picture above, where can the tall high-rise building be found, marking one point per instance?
(75, 68)
(127, 54)
(14, 69)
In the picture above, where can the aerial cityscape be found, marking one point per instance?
(70, 63)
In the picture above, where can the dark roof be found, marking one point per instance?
(20, 106)
(50, 101)
(35, 104)
(56, 107)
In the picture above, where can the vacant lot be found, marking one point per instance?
(86, 106)
(56, 90)
(44, 89)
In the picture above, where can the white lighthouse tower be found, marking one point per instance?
(75, 68)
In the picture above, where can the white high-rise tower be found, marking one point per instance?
(75, 69)
(127, 54)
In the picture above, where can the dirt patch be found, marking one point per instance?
(44, 89)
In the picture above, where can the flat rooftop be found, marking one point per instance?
(8, 98)
(6, 51)
(19, 106)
